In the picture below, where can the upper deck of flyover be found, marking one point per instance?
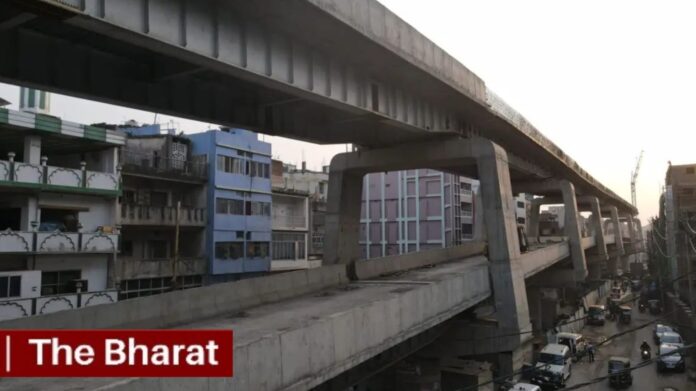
(326, 71)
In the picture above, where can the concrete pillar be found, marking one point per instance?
(30, 213)
(632, 234)
(503, 244)
(618, 238)
(600, 242)
(535, 211)
(32, 149)
(639, 231)
(343, 215)
(534, 300)
(572, 230)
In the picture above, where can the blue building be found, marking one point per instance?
(238, 235)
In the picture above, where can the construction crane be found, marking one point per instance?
(634, 177)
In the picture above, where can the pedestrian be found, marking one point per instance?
(591, 351)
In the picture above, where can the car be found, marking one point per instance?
(552, 368)
(619, 375)
(674, 361)
(672, 338)
(659, 330)
(596, 315)
(525, 387)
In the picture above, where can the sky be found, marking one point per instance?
(602, 79)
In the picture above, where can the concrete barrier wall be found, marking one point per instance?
(179, 307)
(376, 267)
(308, 354)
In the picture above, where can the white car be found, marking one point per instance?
(525, 387)
(665, 360)
(552, 368)
(672, 338)
(659, 330)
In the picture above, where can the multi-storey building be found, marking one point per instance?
(290, 224)
(406, 211)
(239, 198)
(316, 185)
(162, 180)
(59, 184)
(680, 213)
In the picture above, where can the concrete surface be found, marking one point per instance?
(298, 343)
(184, 306)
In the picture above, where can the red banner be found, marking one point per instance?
(115, 353)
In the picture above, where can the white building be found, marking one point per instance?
(59, 184)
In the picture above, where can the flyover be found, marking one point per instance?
(353, 73)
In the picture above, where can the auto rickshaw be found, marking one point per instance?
(619, 373)
(625, 314)
(654, 306)
(614, 311)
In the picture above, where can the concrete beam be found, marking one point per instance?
(376, 267)
(538, 260)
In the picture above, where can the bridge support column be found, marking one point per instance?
(343, 215)
(618, 241)
(600, 241)
(572, 231)
(632, 248)
(503, 243)
(512, 309)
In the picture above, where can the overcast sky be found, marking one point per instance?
(602, 79)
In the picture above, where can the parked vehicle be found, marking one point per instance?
(619, 375)
(552, 368)
(659, 330)
(596, 315)
(674, 361)
(625, 314)
(575, 342)
(523, 387)
(672, 338)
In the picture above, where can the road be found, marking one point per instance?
(645, 378)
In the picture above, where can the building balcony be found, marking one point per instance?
(132, 214)
(284, 222)
(45, 177)
(147, 164)
(19, 308)
(22, 242)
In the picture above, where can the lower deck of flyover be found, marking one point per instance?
(301, 342)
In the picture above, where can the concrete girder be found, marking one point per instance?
(477, 155)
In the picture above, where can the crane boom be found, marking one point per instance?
(634, 178)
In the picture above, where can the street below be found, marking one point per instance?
(645, 378)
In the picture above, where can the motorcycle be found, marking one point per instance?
(641, 307)
(645, 354)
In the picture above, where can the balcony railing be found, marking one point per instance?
(281, 221)
(19, 308)
(56, 178)
(132, 214)
(135, 162)
(57, 242)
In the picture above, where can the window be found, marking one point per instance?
(689, 170)
(230, 165)
(10, 286)
(257, 250)
(229, 250)
(129, 197)
(520, 220)
(257, 208)
(321, 187)
(126, 248)
(229, 206)
(53, 283)
(288, 246)
(520, 204)
(157, 249)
